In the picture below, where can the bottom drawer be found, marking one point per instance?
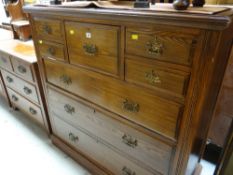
(95, 150)
(25, 105)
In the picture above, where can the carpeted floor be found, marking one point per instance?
(26, 150)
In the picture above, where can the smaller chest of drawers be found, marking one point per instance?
(21, 80)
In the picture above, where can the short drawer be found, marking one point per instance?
(93, 46)
(129, 101)
(48, 29)
(22, 68)
(5, 61)
(22, 87)
(95, 150)
(150, 75)
(25, 105)
(51, 50)
(164, 45)
(150, 152)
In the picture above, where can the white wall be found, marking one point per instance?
(2, 12)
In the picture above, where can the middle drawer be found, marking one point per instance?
(129, 101)
(141, 147)
(19, 85)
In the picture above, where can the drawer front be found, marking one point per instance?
(156, 77)
(96, 150)
(22, 87)
(25, 105)
(129, 101)
(22, 68)
(51, 51)
(1, 88)
(175, 47)
(93, 46)
(145, 149)
(5, 62)
(48, 29)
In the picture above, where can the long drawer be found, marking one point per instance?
(96, 150)
(126, 100)
(25, 105)
(19, 85)
(145, 149)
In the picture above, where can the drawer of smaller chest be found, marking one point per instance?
(22, 68)
(164, 45)
(51, 50)
(95, 150)
(25, 105)
(22, 87)
(5, 61)
(48, 29)
(93, 46)
(153, 76)
(153, 153)
(1, 88)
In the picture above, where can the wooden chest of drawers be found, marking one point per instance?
(19, 71)
(128, 95)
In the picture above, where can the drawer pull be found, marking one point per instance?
(32, 111)
(9, 79)
(129, 140)
(51, 51)
(72, 137)
(14, 98)
(47, 29)
(130, 106)
(69, 109)
(155, 46)
(22, 69)
(90, 49)
(27, 90)
(65, 79)
(152, 77)
(127, 171)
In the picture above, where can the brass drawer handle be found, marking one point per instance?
(72, 137)
(22, 69)
(152, 77)
(51, 51)
(9, 79)
(32, 111)
(90, 49)
(130, 106)
(69, 109)
(65, 79)
(155, 46)
(127, 171)
(14, 98)
(27, 90)
(47, 29)
(129, 140)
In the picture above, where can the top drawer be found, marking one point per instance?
(5, 62)
(162, 45)
(22, 68)
(93, 46)
(48, 29)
